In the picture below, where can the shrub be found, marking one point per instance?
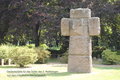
(55, 53)
(64, 58)
(97, 51)
(55, 48)
(118, 52)
(110, 57)
(43, 55)
(5, 51)
(23, 56)
(30, 45)
(44, 46)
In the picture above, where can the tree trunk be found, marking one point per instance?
(36, 35)
(21, 65)
(4, 30)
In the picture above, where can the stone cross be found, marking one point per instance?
(80, 27)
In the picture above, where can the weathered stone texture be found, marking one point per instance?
(94, 26)
(65, 22)
(80, 13)
(78, 63)
(80, 45)
(80, 26)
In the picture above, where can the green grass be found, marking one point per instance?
(59, 72)
(55, 48)
(6, 67)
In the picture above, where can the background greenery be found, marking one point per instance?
(23, 55)
(36, 23)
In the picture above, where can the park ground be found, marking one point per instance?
(58, 71)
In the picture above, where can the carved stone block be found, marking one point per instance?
(80, 45)
(94, 26)
(78, 27)
(65, 23)
(80, 13)
(78, 63)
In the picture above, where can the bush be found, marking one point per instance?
(118, 52)
(44, 46)
(97, 51)
(5, 51)
(43, 55)
(55, 53)
(30, 45)
(110, 57)
(64, 58)
(23, 56)
(55, 48)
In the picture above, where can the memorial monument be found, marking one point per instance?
(80, 27)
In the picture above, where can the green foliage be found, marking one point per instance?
(43, 55)
(44, 46)
(64, 58)
(5, 51)
(49, 13)
(23, 56)
(118, 52)
(97, 51)
(30, 45)
(55, 48)
(111, 1)
(110, 57)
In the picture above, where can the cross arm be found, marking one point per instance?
(65, 25)
(94, 26)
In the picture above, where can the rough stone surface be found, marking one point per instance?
(80, 45)
(65, 22)
(80, 13)
(80, 54)
(80, 27)
(94, 26)
(78, 63)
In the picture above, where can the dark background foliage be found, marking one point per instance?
(38, 21)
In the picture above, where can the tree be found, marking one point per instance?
(39, 21)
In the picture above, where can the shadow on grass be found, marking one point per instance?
(42, 74)
(108, 68)
(8, 67)
(60, 74)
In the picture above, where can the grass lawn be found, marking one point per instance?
(57, 72)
